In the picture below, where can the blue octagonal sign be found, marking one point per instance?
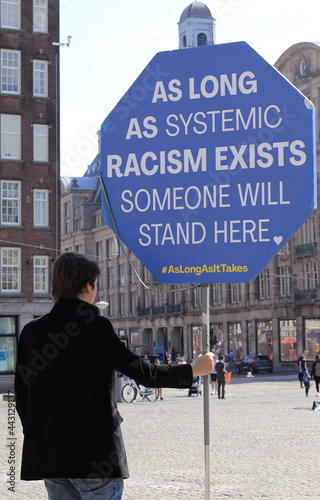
(208, 164)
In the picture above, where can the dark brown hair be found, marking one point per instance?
(71, 272)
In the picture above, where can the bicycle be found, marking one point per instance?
(131, 389)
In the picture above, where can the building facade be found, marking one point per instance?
(277, 314)
(29, 159)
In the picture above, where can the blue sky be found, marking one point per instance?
(112, 41)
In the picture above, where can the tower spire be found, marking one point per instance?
(196, 26)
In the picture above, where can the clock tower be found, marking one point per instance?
(196, 26)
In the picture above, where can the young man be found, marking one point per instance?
(221, 376)
(64, 389)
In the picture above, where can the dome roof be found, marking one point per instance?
(196, 9)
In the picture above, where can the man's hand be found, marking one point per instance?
(203, 365)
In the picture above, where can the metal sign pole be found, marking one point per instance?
(206, 412)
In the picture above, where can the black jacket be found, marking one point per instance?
(313, 368)
(64, 388)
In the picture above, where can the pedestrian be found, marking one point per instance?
(158, 392)
(231, 358)
(65, 389)
(221, 376)
(213, 378)
(182, 360)
(315, 372)
(302, 364)
(306, 381)
(173, 355)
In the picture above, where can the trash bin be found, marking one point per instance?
(119, 386)
(228, 377)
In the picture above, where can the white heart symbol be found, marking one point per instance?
(277, 239)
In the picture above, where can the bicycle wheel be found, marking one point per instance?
(129, 393)
(150, 394)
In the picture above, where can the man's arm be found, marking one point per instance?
(114, 352)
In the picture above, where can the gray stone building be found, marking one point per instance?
(276, 314)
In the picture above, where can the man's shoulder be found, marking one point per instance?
(35, 322)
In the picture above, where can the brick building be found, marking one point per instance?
(29, 164)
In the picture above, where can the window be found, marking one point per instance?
(40, 274)
(312, 336)
(310, 275)
(10, 14)
(197, 297)
(235, 340)
(288, 340)
(10, 270)
(10, 71)
(217, 294)
(40, 78)
(98, 219)
(122, 274)
(111, 305)
(147, 298)
(177, 295)
(265, 338)
(201, 40)
(162, 298)
(134, 302)
(67, 217)
(134, 278)
(99, 251)
(40, 207)
(264, 284)
(235, 293)
(112, 248)
(77, 223)
(8, 342)
(10, 202)
(285, 249)
(146, 275)
(308, 231)
(40, 16)
(11, 137)
(284, 281)
(123, 304)
(111, 280)
(40, 143)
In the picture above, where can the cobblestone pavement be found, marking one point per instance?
(263, 444)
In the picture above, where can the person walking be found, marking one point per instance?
(65, 389)
(302, 364)
(221, 376)
(213, 378)
(158, 392)
(306, 381)
(315, 373)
